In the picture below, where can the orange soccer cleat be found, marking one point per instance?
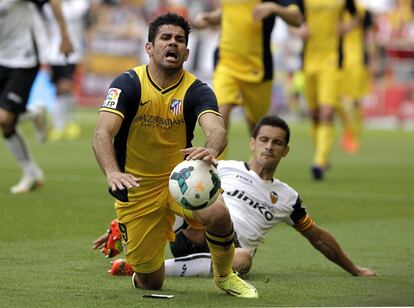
(113, 245)
(121, 268)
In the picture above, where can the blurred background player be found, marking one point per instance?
(257, 202)
(63, 68)
(321, 31)
(244, 70)
(355, 77)
(19, 63)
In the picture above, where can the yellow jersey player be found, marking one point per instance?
(355, 79)
(321, 30)
(144, 129)
(244, 70)
(257, 202)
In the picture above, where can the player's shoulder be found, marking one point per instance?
(128, 80)
(231, 164)
(196, 85)
(284, 189)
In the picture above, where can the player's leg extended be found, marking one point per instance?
(14, 93)
(193, 265)
(64, 110)
(227, 92)
(220, 240)
(363, 88)
(311, 94)
(327, 102)
(348, 86)
(256, 101)
(243, 260)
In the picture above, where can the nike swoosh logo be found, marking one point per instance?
(144, 103)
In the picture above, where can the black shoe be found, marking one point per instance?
(317, 173)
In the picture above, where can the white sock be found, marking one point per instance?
(18, 147)
(58, 114)
(198, 264)
(68, 101)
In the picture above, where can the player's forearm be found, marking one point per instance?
(330, 248)
(57, 12)
(216, 140)
(291, 15)
(104, 152)
(214, 17)
(66, 46)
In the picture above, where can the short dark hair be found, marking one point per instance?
(168, 19)
(275, 121)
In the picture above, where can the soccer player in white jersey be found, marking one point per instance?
(257, 202)
(19, 64)
(63, 68)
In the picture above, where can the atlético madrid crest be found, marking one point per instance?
(273, 197)
(175, 106)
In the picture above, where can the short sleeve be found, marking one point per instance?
(123, 92)
(200, 98)
(298, 211)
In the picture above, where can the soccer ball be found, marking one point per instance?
(194, 184)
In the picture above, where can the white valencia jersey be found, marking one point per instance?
(257, 205)
(17, 47)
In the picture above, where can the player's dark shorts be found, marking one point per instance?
(184, 247)
(15, 86)
(60, 72)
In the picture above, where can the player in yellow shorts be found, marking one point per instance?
(355, 79)
(144, 129)
(320, 67)
(244, 70)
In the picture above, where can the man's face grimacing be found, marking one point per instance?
(269, 146)
(169, 50)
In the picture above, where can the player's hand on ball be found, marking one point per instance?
(194, 184)
(201, 153)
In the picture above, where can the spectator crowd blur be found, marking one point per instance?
(116, 33)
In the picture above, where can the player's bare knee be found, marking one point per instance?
(64, 87)
(242, 268)
(242, 261)
(216, 217)
(152, 285)
(146, 282)
(217, 213)
(7, 122)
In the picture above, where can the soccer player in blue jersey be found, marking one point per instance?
(144, 129)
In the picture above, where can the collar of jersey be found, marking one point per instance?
(166, 90)
(246, 165)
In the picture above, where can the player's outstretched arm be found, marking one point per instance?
(322, 240)
(216, 139)
(100, 241)
(205, 19)
(66, 46)
(107, 127)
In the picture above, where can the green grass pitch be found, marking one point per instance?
(367, 202)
